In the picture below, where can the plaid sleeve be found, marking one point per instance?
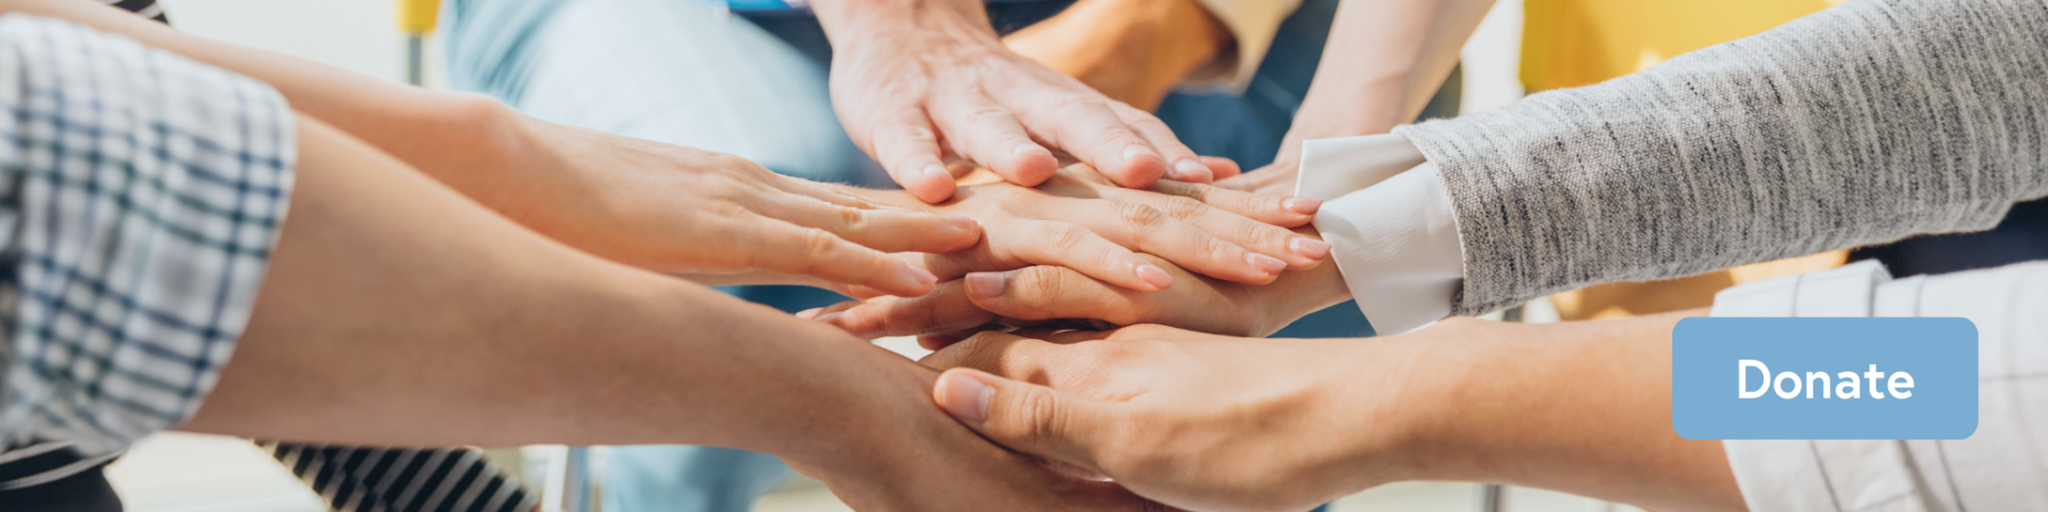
(140, 195)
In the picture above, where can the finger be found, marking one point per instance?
(1046, 293)
(1182, 164)
(1275, 242)
(1144, 228)
(791, 249)
(1278, 210)
(1088, 129)
(945, 309)
(1028, 418)
(820, 191)
(990, 135)
(883, 229)
(1222, 168)
(1069, 245)
(908, 148)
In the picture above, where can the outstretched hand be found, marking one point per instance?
(1034, 296)
(680, 210)
(1097, 231)
(925, 80)
(1191, 420)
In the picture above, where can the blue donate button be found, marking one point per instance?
(1824, 378)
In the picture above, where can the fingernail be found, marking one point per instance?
(967, 397)
(1309, 248)
(1187, 168)
(810, 314)
(829, 317)
(1264, 263)
(917, 276)
(1155, 276)
(984, 285)
(962, 222)
(1132, 152)
(939, 170)
(1303, 205)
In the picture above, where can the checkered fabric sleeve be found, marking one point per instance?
(140, 196)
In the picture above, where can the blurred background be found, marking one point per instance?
(178, 472)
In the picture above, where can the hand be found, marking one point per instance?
(680, 210)
(1192, 420)
(1217, 423)
(917, 81)
(1080, 221)
(1032, 296)
(897, 451)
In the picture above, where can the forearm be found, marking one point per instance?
(1383, 61)
(450, 135)
(376, 328)
(1580, 407)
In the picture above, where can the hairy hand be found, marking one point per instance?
(917, 85)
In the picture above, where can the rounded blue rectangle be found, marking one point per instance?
(1820, 382)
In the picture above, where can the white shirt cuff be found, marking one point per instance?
(1390, 226)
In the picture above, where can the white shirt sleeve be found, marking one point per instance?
(1253, 23)
(1985, 472)
(1390, 227)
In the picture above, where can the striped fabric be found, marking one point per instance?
(144, 8)
(359, 479)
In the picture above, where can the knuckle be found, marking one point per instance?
(1221, 250)
(1039, 288)
(1038, 414)
(1268, 236)
(817, 242)
(1184, 208)
(1138, 216)
(850, 219)
(1065, 237)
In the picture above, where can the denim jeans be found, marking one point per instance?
(692, 74)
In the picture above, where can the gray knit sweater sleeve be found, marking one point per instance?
(1867, 122)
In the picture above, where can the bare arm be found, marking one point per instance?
(1580, 407)
(656, 206)
(397, 312)
(1382, 63)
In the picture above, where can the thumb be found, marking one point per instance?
(1025, 417)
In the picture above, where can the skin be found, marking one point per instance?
(374, 328)
(1038, 295)
(1385, 59)
(1134, 51)
(918, 81)
(1301, 422)
(712, 217)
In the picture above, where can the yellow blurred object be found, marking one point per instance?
(418, 16)
(1571, 43)
(1616, 300)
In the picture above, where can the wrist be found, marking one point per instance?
(1298, 293)
(850, 24)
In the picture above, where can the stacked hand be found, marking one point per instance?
(917, 82)
(1071, 249)
(1191, 420)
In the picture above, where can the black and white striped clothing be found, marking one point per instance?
(144, 8)
(359, 479)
